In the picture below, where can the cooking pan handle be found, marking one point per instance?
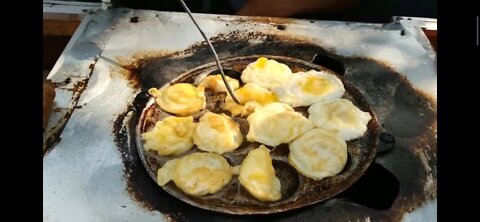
(386, 142)
(329, 62)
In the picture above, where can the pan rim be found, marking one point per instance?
(250, 210)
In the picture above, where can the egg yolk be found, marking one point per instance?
(212, 81)
(261, 62)
(217, 123)
(182, 93)
(181, 99)
(250, 96)
(246, 95)
(215, 83)
(316, 86)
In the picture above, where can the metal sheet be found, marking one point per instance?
(83, 173)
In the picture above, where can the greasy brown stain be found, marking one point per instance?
(78, 88)
(54, 138)
(268, 20)
(173, 63)
(133, 61)
(133, 80)
(121, 140)
(406, 113)
(427, 143)
(120, 131)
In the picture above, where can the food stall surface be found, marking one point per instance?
(92, 172)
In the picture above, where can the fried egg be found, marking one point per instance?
(267, 73)
(340, 116)
(197, 174)
(182, 99)
(276, 123)
(306, 88)
(171, 136)
(217, 133)
(318, 154)
(250, 97)
(257, 175)
(215, 83)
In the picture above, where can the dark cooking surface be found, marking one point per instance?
(297, 190)
(402, 179)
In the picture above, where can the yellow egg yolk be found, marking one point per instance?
(316, 86)
(261, 62)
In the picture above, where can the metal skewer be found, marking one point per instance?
(224, 78)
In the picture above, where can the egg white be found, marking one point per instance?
(171, 136)
(306, 88)
(340, 116)
(318, 154)
(196, 174)
(215, 83)
(276, 123)
(217, 133)
(257, 175)
(182, 99)
(250, 97)
(267, 73)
